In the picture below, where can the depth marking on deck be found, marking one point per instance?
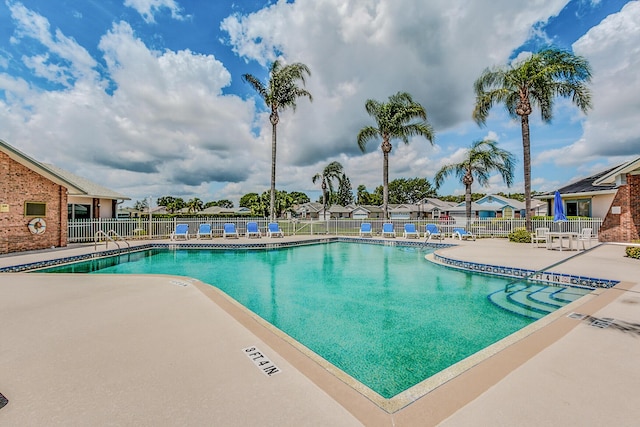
(261, 361)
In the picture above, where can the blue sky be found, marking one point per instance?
(146, 96)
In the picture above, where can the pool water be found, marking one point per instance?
(382, 314)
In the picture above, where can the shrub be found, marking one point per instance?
(633, 251)
(520, 235)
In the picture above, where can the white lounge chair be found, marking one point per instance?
(387, 230)
(463, 234)
(182, 230)
(204, 230)
(229, 230)
(273, 230)
(410, 231)
(365, 229)
(433, 232)
(253, 230)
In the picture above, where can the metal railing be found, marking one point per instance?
(161, 228)
(109, 236)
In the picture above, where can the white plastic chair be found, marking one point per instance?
(539, 236)
(586, 235)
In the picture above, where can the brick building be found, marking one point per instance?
(622, 222)
(37, 200)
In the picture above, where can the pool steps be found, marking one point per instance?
(531, 300)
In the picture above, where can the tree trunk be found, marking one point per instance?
(467, 180)
(526, 149)
(324, 199)
(386, 149)
(272, 206)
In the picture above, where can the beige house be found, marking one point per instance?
(583, 197)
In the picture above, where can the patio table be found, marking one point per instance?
(561, 235)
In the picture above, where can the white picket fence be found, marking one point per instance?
(161, 228)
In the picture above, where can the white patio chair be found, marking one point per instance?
(586, 235)
(540, 236)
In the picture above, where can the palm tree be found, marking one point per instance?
(534, 82)
(279, 94)
(195, 205)
(394, 120)
(333, 171)
(480, 160)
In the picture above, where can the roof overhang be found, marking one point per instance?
(632, 167)
(578, 195)
(40, 169)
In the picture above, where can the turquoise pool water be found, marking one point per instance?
(382, 314)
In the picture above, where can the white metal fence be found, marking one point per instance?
(161, 228)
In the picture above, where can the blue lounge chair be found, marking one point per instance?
(387, 230)
(229, 230)
(253, 230)
(273, 230)
(463, 234)
(182, 230)
(410, 231)
(365, 229)
(432, 232)
(204, 230)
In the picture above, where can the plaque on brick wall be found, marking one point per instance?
(616, 210)
(4, 207)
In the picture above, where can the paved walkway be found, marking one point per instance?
(160, 350)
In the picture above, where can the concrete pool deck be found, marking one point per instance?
(161, 350)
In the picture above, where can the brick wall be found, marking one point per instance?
(623, 227)
(19, 184)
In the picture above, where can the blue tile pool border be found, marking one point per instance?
(547, 277)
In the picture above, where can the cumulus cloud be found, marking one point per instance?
(611, 129)
(157, 122)
(148, 8)
(163, 120)
(359, 50)
(60, 49)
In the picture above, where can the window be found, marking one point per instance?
(75, 211)
(507, 212)
(35, 209)
(578, 207)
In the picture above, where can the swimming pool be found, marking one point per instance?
(382, 314)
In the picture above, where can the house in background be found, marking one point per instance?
(37, 200)
(496, 206)
(432, 208)
(219, 210)
(583, 198)
(613, 194)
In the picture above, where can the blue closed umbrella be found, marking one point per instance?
(558, 209)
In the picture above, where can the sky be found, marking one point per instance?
(146, 97)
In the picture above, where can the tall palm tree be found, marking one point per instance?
(534, 82)
(333, 171)
(280, 93)
(482, 158)
(394, 120)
